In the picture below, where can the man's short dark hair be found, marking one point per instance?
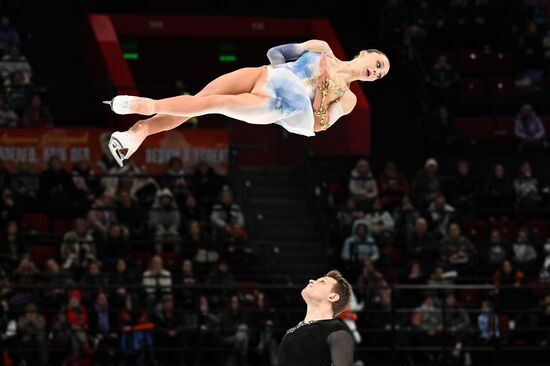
(343, 289)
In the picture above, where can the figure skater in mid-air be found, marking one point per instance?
(305, 89)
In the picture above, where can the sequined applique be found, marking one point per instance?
(299, 325)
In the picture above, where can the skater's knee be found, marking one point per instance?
(140, 127)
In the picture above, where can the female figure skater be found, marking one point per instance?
(305, 89)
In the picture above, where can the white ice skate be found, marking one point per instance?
(121, 146)
(128, 104)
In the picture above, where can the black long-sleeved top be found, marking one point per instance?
(322, 343)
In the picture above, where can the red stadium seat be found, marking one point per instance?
(501, 90)
(539, 228)
(508, 228)
(171, 261)
(36, 221)
(501, 62)
(61, 226)
(475, 128)
(248, 287)
(469, 297)
(505, 125)
(476, 230)
(41, 253)
(504, 322)
(472, 91)
(546, 122)
(474, 62)
(141, 260)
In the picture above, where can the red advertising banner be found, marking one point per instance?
(35, 146)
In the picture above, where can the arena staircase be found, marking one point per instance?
(282, 221)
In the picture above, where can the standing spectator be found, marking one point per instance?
(136, 339)
(207, 183)
(84, 185)
(156, 281)
(55, 186)
(427, 184)
(78, 247)
(529, 130)
(92, 283)
(174, 178)
(221, 278)
(371, 284)
(32, 337)
(443, 131)
(457, 321)
(121, 278)
(264, 325)
(362, 184)
(168, 333)
(405, 218)
(8, 117)
(207, 333)
(488, 324)
(441, 215)
(165, 221)
(414, 276)
(130, 214)
(499, 192)
(527, 189)
(443, 79)
(508, 282)
(393, 185)
(463, 190)
(77, 323)
(56, 281)
(184, 294)
(234, 328)
(359, 245)
(114, 246)
(104, 330)
(190, 210)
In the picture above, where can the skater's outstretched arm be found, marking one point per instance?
(292, 51)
